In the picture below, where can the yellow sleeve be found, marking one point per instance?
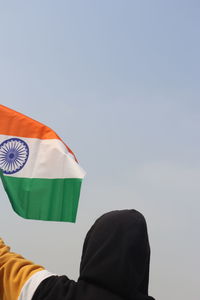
(14, 272)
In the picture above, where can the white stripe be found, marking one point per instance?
(32, 284)
(47, 159)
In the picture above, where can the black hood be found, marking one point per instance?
(116, 255)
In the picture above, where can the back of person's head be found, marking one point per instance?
(116, 255)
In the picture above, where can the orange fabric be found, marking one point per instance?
(14, 272)
(14, 123)
(17, 124)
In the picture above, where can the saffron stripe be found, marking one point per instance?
(14, 123)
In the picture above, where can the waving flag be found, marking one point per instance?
(39, 172)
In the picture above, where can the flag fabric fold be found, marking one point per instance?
(39, 171)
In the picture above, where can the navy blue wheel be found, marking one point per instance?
(14, 154)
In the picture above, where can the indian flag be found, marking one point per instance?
(39, 172)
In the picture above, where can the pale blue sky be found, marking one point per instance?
(119, 82)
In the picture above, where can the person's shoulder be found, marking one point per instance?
(56, 287)
(90, 291)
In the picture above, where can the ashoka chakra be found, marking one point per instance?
(13, 155)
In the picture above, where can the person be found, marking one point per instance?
(114, 265)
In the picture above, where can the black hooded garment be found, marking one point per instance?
(114, 264)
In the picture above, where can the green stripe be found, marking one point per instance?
(44, 199)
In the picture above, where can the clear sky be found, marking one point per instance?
(118, 80)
